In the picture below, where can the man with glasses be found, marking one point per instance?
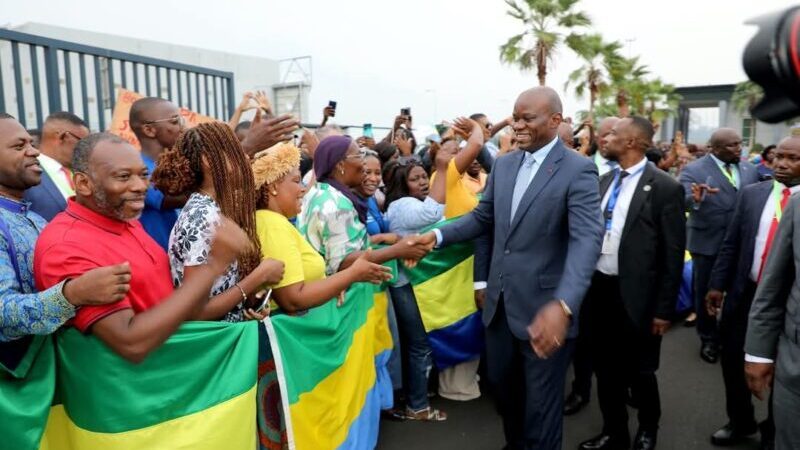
(157, 124)
(61, 131)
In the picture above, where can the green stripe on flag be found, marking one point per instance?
(321, 338)
(201, 365)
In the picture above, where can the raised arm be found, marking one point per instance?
(474, 134)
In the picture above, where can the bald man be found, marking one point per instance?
(737, 271)
(603, 129)
(542, 208)
(61, 131)
(157, 124)
(712, 184)
(631, 300)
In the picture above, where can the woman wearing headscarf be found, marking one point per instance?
(333, 217)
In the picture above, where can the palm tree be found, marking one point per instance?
(598, 56)
(545, 22)
(627, 83)
(745, 96)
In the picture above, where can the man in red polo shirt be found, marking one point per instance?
(99, 228)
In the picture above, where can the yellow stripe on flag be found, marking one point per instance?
(447, 298)
(322, 417)
(230, 424)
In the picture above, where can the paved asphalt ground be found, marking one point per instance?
(692, 399)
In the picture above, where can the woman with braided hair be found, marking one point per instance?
(208, 162)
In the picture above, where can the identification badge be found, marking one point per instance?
(608, 246)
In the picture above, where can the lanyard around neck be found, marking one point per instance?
(727, 175)
(777, 195)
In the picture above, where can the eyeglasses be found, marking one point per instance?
(70, 133)
(360, 155)
(174, 120)
(409, 161)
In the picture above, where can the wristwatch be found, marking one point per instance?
(565, 308)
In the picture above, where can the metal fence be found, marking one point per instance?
(40, 75)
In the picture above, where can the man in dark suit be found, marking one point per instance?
(711, 184)
(772, 343)
(543, 206)
(60, 132)
(631, 300)
(735, 277)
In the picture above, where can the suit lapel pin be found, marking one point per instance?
(647, 188)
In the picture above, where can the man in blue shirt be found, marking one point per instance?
(157, 124)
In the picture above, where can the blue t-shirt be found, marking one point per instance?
(376, 223)
(157, 222)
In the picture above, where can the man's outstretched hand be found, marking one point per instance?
(263, 134)
(422, 243)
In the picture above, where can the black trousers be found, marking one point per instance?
(582, 358)
(625, 355)
(528, 390)
(702, 266)
(732, 332)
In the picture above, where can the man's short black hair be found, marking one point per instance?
(66, 116)
(4, 116)
(478, 116)
(644, 128)
(138, 108)
(85, 147)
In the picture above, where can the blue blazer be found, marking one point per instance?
(732, 267)
(706, 225)
(46, 200)
(550, 250)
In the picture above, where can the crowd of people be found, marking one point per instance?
(580, 246)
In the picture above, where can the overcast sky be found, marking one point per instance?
(436, 56)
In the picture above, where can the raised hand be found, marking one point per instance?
(263, 134)
(99, 286)
(403, 144)
(247, 102)
(464, 126)
(699, 189)
(263, 101)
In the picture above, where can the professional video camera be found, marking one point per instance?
(772, 60)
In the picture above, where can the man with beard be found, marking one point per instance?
(736, 274)
(632, 296)
(712, 184)
(603, 129)
(99, 227)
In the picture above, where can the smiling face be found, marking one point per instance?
(372, 177)
(286, 195)
(116, 182)
(535, 122)
(351, 167)
(19, 166)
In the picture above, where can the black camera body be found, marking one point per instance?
(772, 60)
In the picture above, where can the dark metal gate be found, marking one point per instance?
(40, 75)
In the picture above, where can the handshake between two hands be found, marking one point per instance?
(414, 248)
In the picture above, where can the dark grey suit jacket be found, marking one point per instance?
(652, 246)
(550, 249)
(773, 330)
(707, 224)
(732, 268)
(46, 200)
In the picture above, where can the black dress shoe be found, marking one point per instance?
(574, 403)
(645, 440)
(709, 353)
(728, 435)
(605, 442)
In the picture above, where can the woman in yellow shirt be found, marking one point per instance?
(459, 198)
(280, 192)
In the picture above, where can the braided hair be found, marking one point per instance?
(180, 171)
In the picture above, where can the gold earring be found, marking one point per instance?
(274, 193)
(341, 171)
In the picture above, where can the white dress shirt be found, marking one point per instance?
(609, 260)
(763, 231)
(603, 165)
(764, 225)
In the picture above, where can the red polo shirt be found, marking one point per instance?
(79, 239)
